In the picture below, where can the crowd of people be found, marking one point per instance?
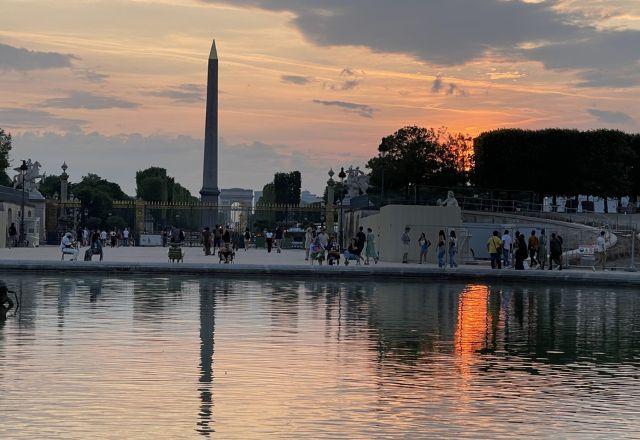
(113, 238)
(446, 246)
(537, 251)
(320, 246)
(225, 241)
(94, 241)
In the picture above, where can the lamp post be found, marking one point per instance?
(23, 172)
(383, 154)
(341, 176)
(330, 202)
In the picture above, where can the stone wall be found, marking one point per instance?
(390, 222)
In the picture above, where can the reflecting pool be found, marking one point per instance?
(180, 357)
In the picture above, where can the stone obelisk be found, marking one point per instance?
(210, 192)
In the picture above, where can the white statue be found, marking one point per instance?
(449, 201)
(357, 182)
(29, 178)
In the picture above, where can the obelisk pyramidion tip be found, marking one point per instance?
(214, 53)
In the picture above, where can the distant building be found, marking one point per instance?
(307, 198)
(10, 212)
(236, 205)
(256, 197)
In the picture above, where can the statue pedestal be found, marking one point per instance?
(39, 212)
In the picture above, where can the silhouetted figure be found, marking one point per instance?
(6, 303)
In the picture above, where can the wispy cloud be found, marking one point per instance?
(184, 93)
(296, 79)
(89, 101)
(91, 75)
(20, 59)
(19, 118)
(363, 110)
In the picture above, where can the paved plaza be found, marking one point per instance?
(159, 255)
(290, 263)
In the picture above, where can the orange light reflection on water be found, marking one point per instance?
(471, 328)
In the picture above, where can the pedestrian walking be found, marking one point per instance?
(85, 237)
(278, 238)
(441, 250)
(370, 251)
(13, 235)
(542, 249)
(405, 241)
(424, 245)
(125, 237)
(555, 248)
(226, 237)
(308, 241)
(506, 248)
(520, 253)
(533, 246)
(247, 239)
(453, 249)
(96, 245)
(217, 238)
(494, 246)
(206, 240)
(268, 236)
(600, 252)
(361, 238)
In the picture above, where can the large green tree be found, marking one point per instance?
(96, 202)
(95, 182)
(5, 147)
(155, 185)
(420, 156)
(153, 189)
(50, 185)
(97, 195)
(287, 188)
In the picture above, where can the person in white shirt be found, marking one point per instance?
(125, 237)
(103, 237)
(308, 240)
(85, 237)
(323, 237)
(268, 235)
(506, 248)
(600, 252)
(67, 248)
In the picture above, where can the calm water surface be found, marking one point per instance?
(145, 357)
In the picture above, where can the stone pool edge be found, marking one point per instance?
(297, 271)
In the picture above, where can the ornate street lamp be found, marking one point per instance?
(23, 172)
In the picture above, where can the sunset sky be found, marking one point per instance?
(114, 86)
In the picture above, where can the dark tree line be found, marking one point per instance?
(559, 162)
(5, 147)
(283, 190)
